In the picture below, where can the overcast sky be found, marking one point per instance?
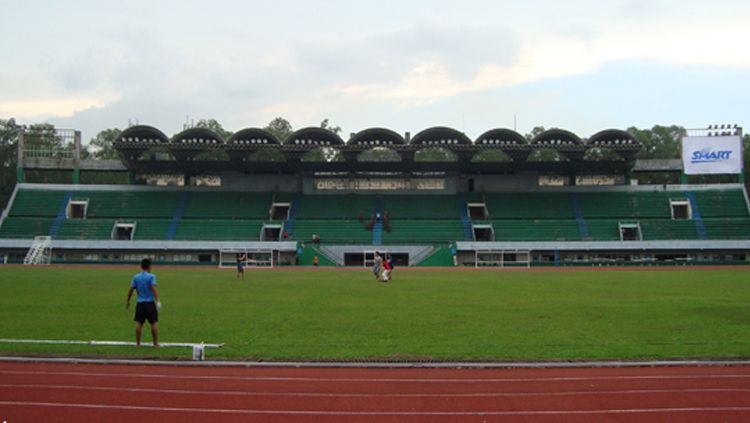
(581, 65)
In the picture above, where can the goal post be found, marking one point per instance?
(253, 258)
(502, 258)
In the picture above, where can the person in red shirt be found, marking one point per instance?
(387, 267)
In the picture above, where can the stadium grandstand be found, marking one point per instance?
(435, 199)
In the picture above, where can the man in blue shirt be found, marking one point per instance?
(148, 305)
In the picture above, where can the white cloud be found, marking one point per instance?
(50, 107)
(554, 55)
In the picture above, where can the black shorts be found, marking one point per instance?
(240, 268)
(146, 311)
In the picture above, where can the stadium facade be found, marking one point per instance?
(437, 198)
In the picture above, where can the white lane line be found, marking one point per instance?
(375, 380)
(375, 395)
(377, 413)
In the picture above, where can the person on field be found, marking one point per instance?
(148, 304)
(316, 261)
(386, 274)
(241, 259)
(378, 265)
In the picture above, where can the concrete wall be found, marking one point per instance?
(524, 181)
(237, 181)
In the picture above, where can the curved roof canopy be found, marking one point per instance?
(440, 136)
(313, 136)
(556, 137)
(253, 136)
(197, 136)
(613, 138)
(501, 136)
(375, 137)
(143, 134)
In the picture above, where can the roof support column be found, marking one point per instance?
(20, 174)
(77, 158)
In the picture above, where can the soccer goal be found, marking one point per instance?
(502, 258)
(253, 258)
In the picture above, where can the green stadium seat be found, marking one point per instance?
(727, 228)
(627, 205)
(130, 204)
(529, 206)
(422, 206)
(229, 205)
(86, 229)
(332, 231)
(219, 229)
(25, 227)
(37, 203)
(335, 206)
(722, 203)
(151, 229)
(536, 230)
(405, 231)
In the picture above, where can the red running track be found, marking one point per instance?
(35, 392)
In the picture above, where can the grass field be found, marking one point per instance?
(345, 314)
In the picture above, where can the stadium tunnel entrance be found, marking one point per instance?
(358, 259)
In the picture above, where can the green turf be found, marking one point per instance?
(335, 314)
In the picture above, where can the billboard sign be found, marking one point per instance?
(712, 155)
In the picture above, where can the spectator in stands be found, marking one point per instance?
(148, 304)
(241, 259)
(285, 235)
(315, 239)
(361, 216)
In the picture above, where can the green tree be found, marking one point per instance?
(323, 154)
(280, 128)
(215, 126)
(44, 136)
(379, 154)
(535, 131)
(102, 144)
(326, 125)
(659, 142)
(493, 155)
(545, 154)
(435, 154)
(8, 154)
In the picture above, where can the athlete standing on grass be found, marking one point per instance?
(241, 259)
(148, 305)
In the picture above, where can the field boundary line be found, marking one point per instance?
(383, 364)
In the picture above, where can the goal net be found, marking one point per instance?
(252, 258)
(502, 258)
